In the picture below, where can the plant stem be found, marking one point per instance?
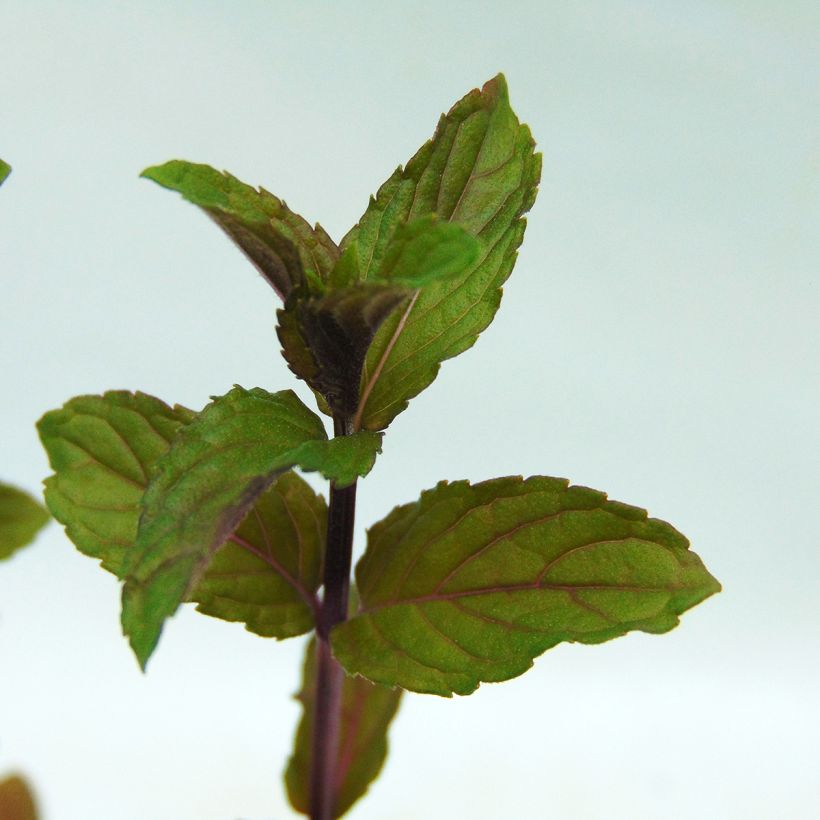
(329, 675)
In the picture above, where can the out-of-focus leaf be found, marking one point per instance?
(366, 713)
(21, 518)
(16, 800)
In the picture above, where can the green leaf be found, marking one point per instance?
(5, 170)
(103, 448)
(200, 491)
(21, 518)
(480, 172)
(325, 339)
(16, 800)
(366, 712)
(471, 583)
(285, 249)
(425, 250)
(267, 573)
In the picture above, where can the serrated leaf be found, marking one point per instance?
(103, 448)
(267, 573)
(284, 247)
(470, 583)
(366, 713)
(16, 800)
(5, 170)
(325, 339)
(21, 518)
(480, 172)
(199, 492)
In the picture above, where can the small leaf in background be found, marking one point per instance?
(284, 247)
(480, 172)
(5, 170)
(21, 518)
(472, 582)
(267, 573)
(103, 448)
(203, 487)
(325, 339)
(366, 712)
(16, 800)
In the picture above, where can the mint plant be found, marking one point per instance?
(467, 584)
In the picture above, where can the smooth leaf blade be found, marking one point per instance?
(282, 245)
(203, 487)
(479, 171)
(366, 713)
(102, 449)
(267, 573)
(21, 518)
(5, 170)
(16, 799)
(471, 583)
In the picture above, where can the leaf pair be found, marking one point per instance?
(367, 324)
(188, 507)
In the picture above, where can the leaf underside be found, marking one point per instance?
(282, 246)
(366, 713)
(21, 518)
(103, 449)
(479, 171)
(201, 489)
(16, 800)
(471, 583)
(267, 573)
(325, 338)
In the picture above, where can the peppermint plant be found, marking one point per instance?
(467, 584)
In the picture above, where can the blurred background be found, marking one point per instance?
(657, 340)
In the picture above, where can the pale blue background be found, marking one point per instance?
(658, 340)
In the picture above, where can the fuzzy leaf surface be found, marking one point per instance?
(366, 713)
(479, 171)
(5, 170)
(21, 518)
(472, 582)
(103, 449)
(203, 487)
(16, 800)
(283, 246)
